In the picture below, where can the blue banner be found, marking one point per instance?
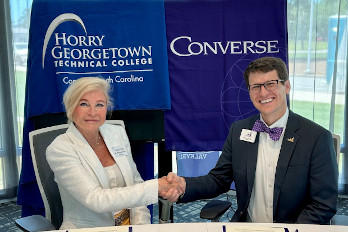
(192, 164)
(210, 43)
(122, 41)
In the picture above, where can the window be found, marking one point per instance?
(14, 26)
(20, 20)
(317, 34)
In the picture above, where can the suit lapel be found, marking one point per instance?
(87, 153)
(288, 145)
(113, 140)
(252, 157)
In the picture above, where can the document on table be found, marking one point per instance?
(231, 228)
(105, 229)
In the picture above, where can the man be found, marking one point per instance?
(288, 175)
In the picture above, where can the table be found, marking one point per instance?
(218, 227)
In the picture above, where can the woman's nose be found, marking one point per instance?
(92, 110)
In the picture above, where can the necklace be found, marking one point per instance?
(98, 142)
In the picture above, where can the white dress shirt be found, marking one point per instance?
(260, 208)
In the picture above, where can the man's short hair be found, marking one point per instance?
(267, 64)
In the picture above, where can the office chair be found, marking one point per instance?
(337, 145)
(214, 210)
(165, 212)
(39, 140)
(338, 219)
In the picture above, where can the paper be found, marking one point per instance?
(231, 228)
(106, 229)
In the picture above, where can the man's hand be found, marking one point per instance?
(171, 187)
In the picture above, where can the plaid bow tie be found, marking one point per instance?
(274, 133)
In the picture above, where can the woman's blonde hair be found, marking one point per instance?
(81, 86)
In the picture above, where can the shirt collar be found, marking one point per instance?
(280, 122)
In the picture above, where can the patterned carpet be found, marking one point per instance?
(190, 212)
(9, 211)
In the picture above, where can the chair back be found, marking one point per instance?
(338, 219)
(337, 146)
(39, 141)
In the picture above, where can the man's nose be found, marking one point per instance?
(263, 90)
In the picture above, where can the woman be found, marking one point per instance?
(97, 178)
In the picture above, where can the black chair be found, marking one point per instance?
(39, 141)
(338, 219)
(214, 210)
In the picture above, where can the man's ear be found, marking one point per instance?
(287, 86)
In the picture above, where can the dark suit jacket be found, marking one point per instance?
(306, 186)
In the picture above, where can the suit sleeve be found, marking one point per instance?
(323, 183)
(217, 181)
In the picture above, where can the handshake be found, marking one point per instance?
(171, 187)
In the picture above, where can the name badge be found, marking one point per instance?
(248, 135)
(119, 151)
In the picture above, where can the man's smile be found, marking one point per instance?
(266, 101)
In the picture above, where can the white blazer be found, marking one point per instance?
(88, 200)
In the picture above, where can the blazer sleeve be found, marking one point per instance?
(73, 174)
(139, 215)
(323, 183)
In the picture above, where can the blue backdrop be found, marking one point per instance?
(121, 41)
(210, 43)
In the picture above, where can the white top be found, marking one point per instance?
(115, 176)
(116, 179)
(260, 208)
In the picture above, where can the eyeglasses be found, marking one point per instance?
(269, 85)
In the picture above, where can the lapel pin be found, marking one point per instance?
(291, 139)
